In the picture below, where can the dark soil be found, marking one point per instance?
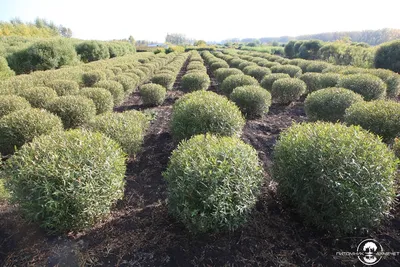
(140, 232)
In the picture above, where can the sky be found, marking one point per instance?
(210, 20)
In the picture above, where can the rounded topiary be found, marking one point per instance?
(128, 83)
(213, 182)
(38, 97)
(92, 77)
(219, 64)
(327, 80)
(269, 80)
(338, 178)
(202, 112)
(312, 81)
(74, 111)
(127, 128)
(115, 88)
(195, 81)
(238, 80)
(64, 87)
(11, 103)
(367, 85)
(92, 51)
(164, 79)
(293, 71)
(102, 99)
(67, 181)
(380, 117)
(152, 94)
(287, 90)
(222, 73)
(388, 56)
(257, 72)
(391, 79)
(21, 126)
(252, 100)
(330, 104)
(317, 66)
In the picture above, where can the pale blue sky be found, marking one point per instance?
(206, 19)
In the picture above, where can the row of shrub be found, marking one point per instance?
(196, 77)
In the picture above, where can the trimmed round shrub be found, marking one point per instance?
(338, 178)
(213, 182)
(195, 81)
(327, 80)
(91, 77)
(367, 85)
(115, 88)
(245, 64)
(11, 103)
(257, 72)
(64, 87)
(21, 126)
(233, 81)
(92, 50)
(102, 99)
(252, 100)
(391, 79)
(129, 84)
(293, 71)
(202, 112)
(219, 64)
(312, 81)
(388, 56)
(269, 80)
(287, 90)
(38, 97)
(127, 128)
(379, 117)
(317, 66)
(67, 181)
(166, 80)
(152, 94)
(330, 104)
(222, 73)
(74, 111)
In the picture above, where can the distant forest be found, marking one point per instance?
(370, 37)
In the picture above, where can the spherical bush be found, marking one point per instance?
(166, 80)
(252, 100)
(38, 97)
(391, 79)
(388, 56)
(369, 86)
(222, 73)
(234, 81)
(293, 71)
(64, 87)
(67, 181)
(202, 112)
(92, 50)
(287, 90)
(379, 117)
(213, 182)
(129, 84)
(338, 178)
(312, 81)
(327, 80)
(195, 81)
(219, 64)
(330, 104)
(74, 111)
(257, 72)
(115, 88)
(92, 77)
(269, 80)
(102, 99)
(245, 64)
(21, 126)
(127, 128)
(11, 103)
(317, 66)
(152, 94)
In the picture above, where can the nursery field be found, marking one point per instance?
(158, 221)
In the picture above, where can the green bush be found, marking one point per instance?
(11, 103)
(92, 50)
(293, 71)
(152, 94)
(102, 99)
(287, 90)
(330, 104)
(222, 73)
(195, 81)
(4, 194)
(127, 128)
(213, 182)
(202, 112)
(129, 84)
(21, 126)
(317, 66)
(396, 147)
(391, 79)
(64, 87)
(379, 117)
(257, 72)
(388, 56)
(219, 64)
(269, 80)
(166, 80)
(369, 86)
(67, 181)
(234, 81)
(252, 100)
(328, 80)
(338, 178)
(91, 77)
(74, 111)
(115, 88)
(5, 71)
(312, 81)
(38, 97)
